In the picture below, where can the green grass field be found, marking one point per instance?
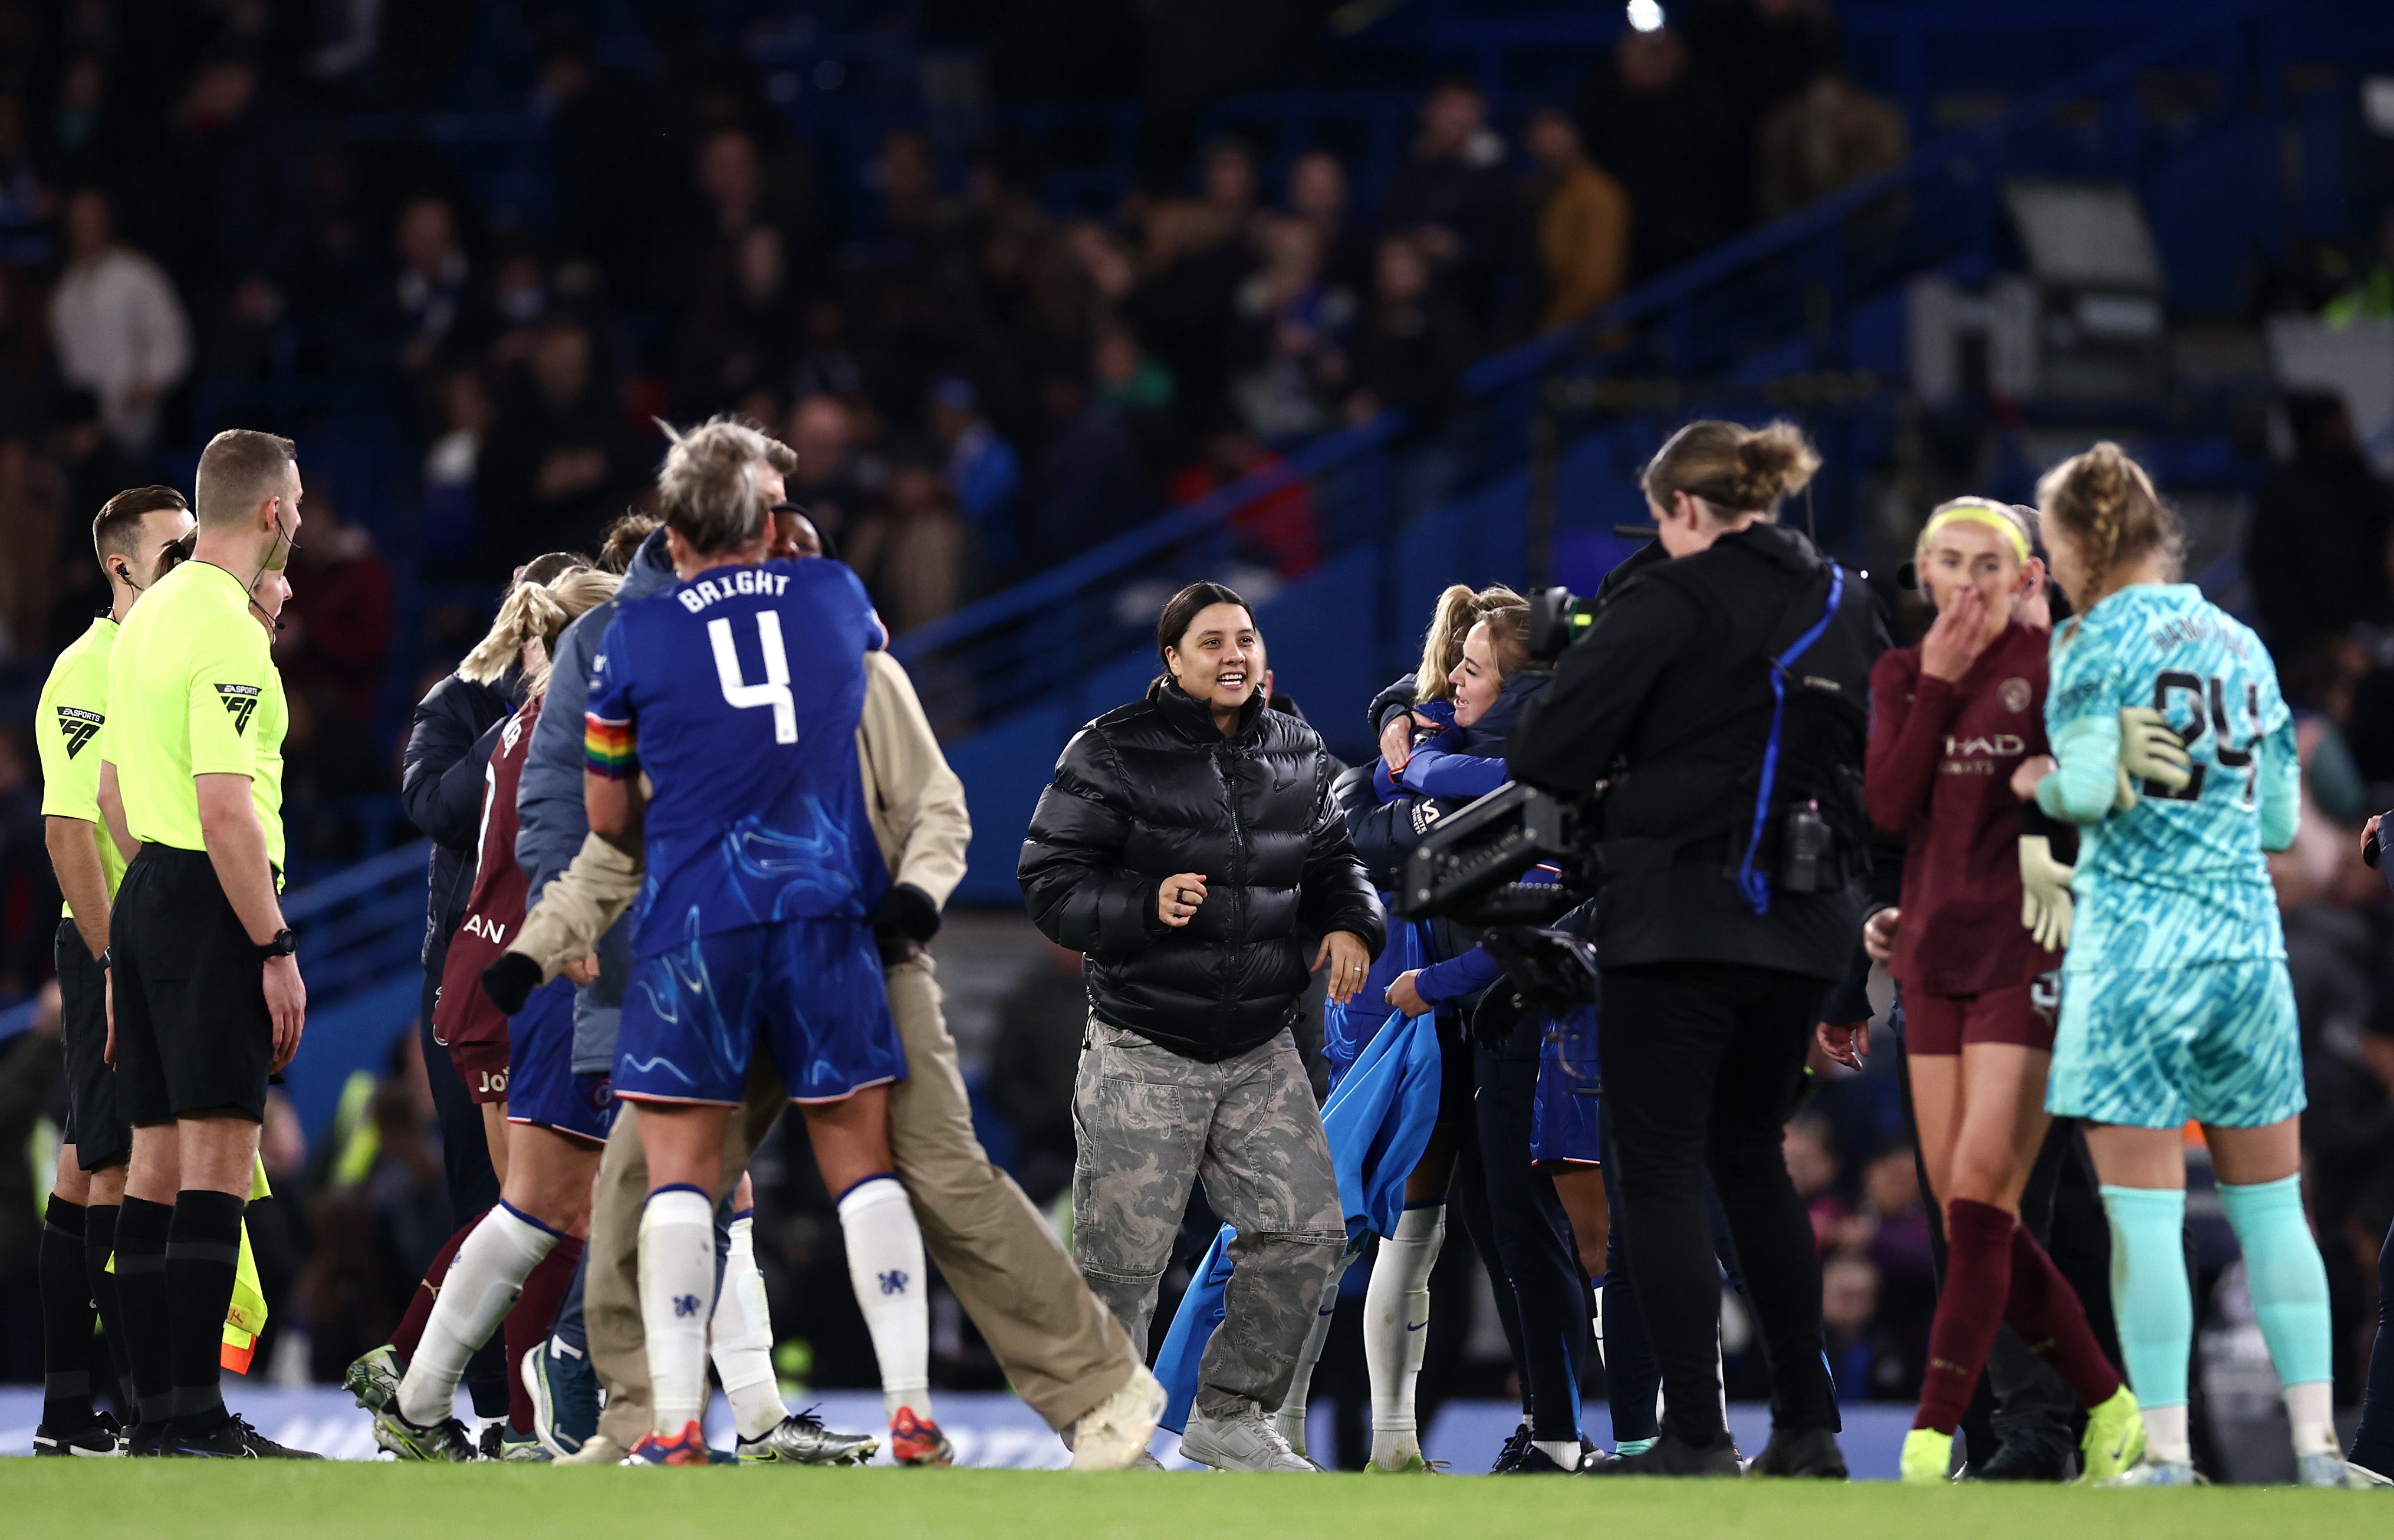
(69, 1500)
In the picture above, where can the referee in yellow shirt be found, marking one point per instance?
(79, 1228)
(206, 996)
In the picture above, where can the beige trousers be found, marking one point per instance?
(1062, 1351)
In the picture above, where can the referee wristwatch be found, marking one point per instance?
(285, 945)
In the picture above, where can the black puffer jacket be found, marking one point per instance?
(441, 784)
(1152, 789)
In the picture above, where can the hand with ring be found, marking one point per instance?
(1177, 898)
(1349, 960)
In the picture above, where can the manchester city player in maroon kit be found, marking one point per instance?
(1949, 720)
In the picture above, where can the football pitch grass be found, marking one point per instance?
(189, 1500)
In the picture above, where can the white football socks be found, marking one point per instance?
(484, 1281)
(677, 1282)
(1290, 1419)
(741, 1337)
(2311, 1408)
(885, 1266)
(1395, 1329)
(2165, 1437)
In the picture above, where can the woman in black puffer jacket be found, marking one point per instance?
(1187, 848)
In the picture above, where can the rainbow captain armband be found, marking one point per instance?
(606, 748)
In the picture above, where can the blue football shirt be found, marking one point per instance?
(738, 693)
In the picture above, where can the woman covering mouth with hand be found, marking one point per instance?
(1187, 848)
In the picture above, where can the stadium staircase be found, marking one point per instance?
(1524, 482)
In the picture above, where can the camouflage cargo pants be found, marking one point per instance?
(1148, 1123)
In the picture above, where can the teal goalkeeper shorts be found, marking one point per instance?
(2151, 1047)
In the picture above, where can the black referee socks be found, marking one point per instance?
(98, 1244)
(142, 1228)
(66, 1319)
(202, 1252)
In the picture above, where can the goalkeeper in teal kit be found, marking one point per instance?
(2176, 1002)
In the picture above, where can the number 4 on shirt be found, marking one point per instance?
(775, 690)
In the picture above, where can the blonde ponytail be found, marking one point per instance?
(1459, 609)
(2107, 506)
(536, 612)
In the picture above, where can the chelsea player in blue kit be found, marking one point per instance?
(2175, 1000)
(737, 693)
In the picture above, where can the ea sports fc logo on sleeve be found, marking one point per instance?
(78, 727)
(240, 700)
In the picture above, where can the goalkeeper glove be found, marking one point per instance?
(2149, 751)
(2046, 904)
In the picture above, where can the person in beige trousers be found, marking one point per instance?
(1063, 1352)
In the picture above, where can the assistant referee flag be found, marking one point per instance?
(192, 690)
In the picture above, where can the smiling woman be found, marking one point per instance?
(1189, 850)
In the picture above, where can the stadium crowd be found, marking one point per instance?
(971, 387)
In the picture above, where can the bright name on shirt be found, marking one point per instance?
(746, 580)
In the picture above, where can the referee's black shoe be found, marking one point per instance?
(147, 1440)
(102, 1440)
(233, 1438)
(2028, 1455)
(1672, 1456)
(1508, 1460)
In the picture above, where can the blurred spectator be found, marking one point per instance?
(1140, 389)
(735, 192)
(827, 367)
(831, 482)
(31, 1072)
(1196, 255)
(37, 585)
(909, 550)
(1409, 347)
(603, 157)
(1864, 1356)
(1279, 529)
(1086, 489)
(1665, 130)
(452, 523)
(1761, 53)
(1832, 134)
(427, 313)
(1583, 223)
(1812, 1165)
(81, 144)
(519, 298)
(557, 459)
(1292, 327)
(29, 893)
(1317, 194)
(337, 625)
(1450, 196)
(984, 474)
(743, 334)
(119, 330)
(1897, 1242)
(2318, 551)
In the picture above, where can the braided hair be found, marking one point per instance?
(2105, 503)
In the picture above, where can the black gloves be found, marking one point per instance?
(908, 911)
(510, 980)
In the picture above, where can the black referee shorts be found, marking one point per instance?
(95, 1124)
(193, 1032)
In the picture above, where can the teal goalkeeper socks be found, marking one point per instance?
(2151, 1298)
(2283, 1271)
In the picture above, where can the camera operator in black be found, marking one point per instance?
(1725, 909)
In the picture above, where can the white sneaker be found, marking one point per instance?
(2153, 1472)
(2360, 1476)
(1246, 1440)
(1114, 1434)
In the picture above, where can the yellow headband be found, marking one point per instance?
(1978, 513)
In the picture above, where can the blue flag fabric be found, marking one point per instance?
(1378, 1120)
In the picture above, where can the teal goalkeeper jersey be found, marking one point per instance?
(2179, 878)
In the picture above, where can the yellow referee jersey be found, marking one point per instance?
(192, 690)
(66, 734)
